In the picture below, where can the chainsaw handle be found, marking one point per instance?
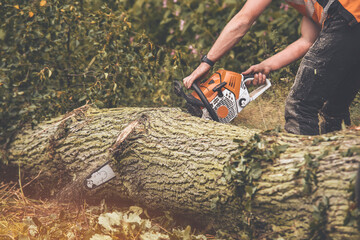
(260, 90)
(252, 76)
(206, 103)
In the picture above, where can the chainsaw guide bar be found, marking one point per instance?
(100, 176)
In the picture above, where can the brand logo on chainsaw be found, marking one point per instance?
(242, 102)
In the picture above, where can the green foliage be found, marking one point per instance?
(242, 172)
(308, 169)
(352, 151)
(352, 217)
(192, 26)
(245, 167)
(61, 55)
(319, 221)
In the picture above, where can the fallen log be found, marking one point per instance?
(262, 185)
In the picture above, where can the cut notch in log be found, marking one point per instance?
(126, 133)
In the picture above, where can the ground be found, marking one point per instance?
(268, 113)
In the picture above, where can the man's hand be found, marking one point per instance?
(200, 72)
(260, 72)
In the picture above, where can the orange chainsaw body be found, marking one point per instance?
(233, 84)
(222, 96)
(232, 79)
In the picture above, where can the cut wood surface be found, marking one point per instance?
(166, 160)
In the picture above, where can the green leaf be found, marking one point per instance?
(256, 173)
(249, 190)
(282, 148)
(99, 104)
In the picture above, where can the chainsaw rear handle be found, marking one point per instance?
(206, 103)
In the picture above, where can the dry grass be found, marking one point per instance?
(355, 111)
(18, 213)
(24, 218)
(267, 112)
(262, 114)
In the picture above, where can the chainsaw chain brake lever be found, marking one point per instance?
(206, 103)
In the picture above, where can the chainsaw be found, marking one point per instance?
(221, 97)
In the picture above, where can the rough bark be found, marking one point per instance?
(169, 160)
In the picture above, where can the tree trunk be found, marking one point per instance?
(165, 159)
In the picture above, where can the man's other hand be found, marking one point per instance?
(260, 72)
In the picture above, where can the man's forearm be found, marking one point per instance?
(296, 50)
(291, 53)
(237, 28)
(229, 37)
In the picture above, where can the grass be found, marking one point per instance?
(267, 111)
(355, 111)
(262, 114)
(24, 218)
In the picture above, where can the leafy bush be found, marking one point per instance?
(57, 55)
(191, 26)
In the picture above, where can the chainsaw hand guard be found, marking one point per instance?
(211, 111)
(189, 98)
